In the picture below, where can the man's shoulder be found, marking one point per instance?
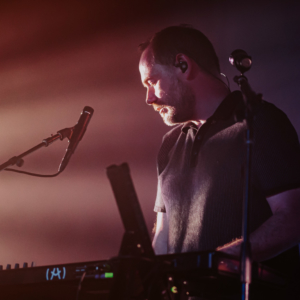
(271, 109)
(270, 116)
(260, 107)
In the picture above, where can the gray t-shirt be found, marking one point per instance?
(200, 182)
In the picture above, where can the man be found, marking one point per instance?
(200, 182)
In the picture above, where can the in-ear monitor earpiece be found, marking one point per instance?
(182, 65)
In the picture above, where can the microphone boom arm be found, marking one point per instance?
(74, 135)
(18, 160)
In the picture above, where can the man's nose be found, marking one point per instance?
(150, 96)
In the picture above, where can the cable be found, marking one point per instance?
(211, 74)
(228, 83)
(79, 285)
(32, 174)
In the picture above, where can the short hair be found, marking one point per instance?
(167, 43)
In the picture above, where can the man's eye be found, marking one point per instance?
(151, 82)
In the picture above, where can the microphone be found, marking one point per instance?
(77, 133)
(241, 60)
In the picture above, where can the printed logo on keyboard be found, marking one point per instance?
(56, 273)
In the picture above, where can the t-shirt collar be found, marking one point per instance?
(223, 112)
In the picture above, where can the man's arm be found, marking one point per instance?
(279, 233)
(160, 240)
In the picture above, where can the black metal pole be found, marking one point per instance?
(242, 61)
(249, 100)
(17, 160)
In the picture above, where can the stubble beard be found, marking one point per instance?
(180, 103)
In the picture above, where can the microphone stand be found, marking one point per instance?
(18, 160)
(242, 61)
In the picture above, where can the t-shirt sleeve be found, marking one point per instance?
(276, 152)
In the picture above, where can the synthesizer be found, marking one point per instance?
(57, 281)
(197, 272)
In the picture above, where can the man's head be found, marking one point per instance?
(169, 64)
(169, 42)
(165, 90)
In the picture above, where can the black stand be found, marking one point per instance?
(126, 282)
(136, 250)
(138, 274)
(246, 245)
(18, 160)
(242, 61)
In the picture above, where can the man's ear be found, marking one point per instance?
(185, 64)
